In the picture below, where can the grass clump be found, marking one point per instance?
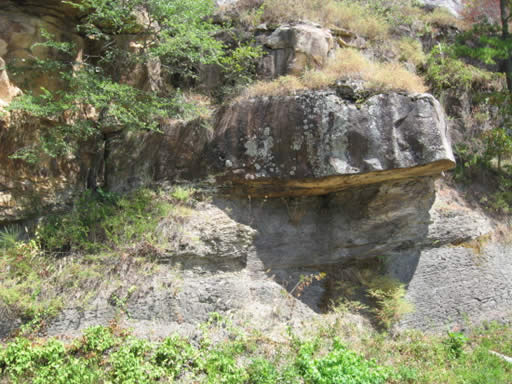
(389, 297)
(443, 18)
(347, 63)
(410, 50)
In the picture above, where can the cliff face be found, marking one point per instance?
(315, 182)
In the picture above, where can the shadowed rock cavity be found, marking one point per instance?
(357, 223)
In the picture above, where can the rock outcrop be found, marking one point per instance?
(237, 256)
(317, 142)
(293, 48)
(455, 7)
(7, 90)
(317, 181)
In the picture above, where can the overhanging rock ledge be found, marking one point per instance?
(319, 142)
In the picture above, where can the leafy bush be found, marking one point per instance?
(455, 343)
(339, 366)
(102, 220)
(175, 354)
(444, 71)
(125, 359)
(262, 371)
(97, 339)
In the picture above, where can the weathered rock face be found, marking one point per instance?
(292, 48)
(352, 176)
(453, 6)
(7, 90)
(318, 142)
(22, 26)
(137, 159)
(235, 256)
(27, 190)
(461, 273)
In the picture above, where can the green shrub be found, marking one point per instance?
(340, 365)
(262, 371)
(389, 296)
(98, 339)
(175, 355)
(9, 237)
(445, 71)
(102, 221)
(455, 343)
(130, 367)
(182, 194)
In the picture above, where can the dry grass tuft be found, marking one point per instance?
(356, 17)
(443, 18)
(410, 50)
(347, 63)
(284, 85)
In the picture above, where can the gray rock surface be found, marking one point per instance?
(318, 142)
(456, 285)
(293, 48)
(453, 6)
(237, 257)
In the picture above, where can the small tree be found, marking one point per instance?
(490, 42)
(96, 95)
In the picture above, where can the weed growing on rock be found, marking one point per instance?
(347, 63)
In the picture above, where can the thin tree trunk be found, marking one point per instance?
(505, 34)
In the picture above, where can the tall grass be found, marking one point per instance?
(347, 63)
(357, 17)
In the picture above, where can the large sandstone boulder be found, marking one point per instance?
(293, 48)
(318, 142)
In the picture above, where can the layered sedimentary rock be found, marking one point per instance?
(313, 182)
(320, 142)
(236, 256)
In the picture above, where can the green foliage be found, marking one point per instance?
(9, 237)
(262, 371)
(339, 366)
(182, 194)
(101, 220)
(110, 355)
(498, 145)
(444, 71)
(455, 343)
(97, 339)
(92, 95)
(239, 67)
(389, 295)
(175, 354)
(129, 365)
(485, 43)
